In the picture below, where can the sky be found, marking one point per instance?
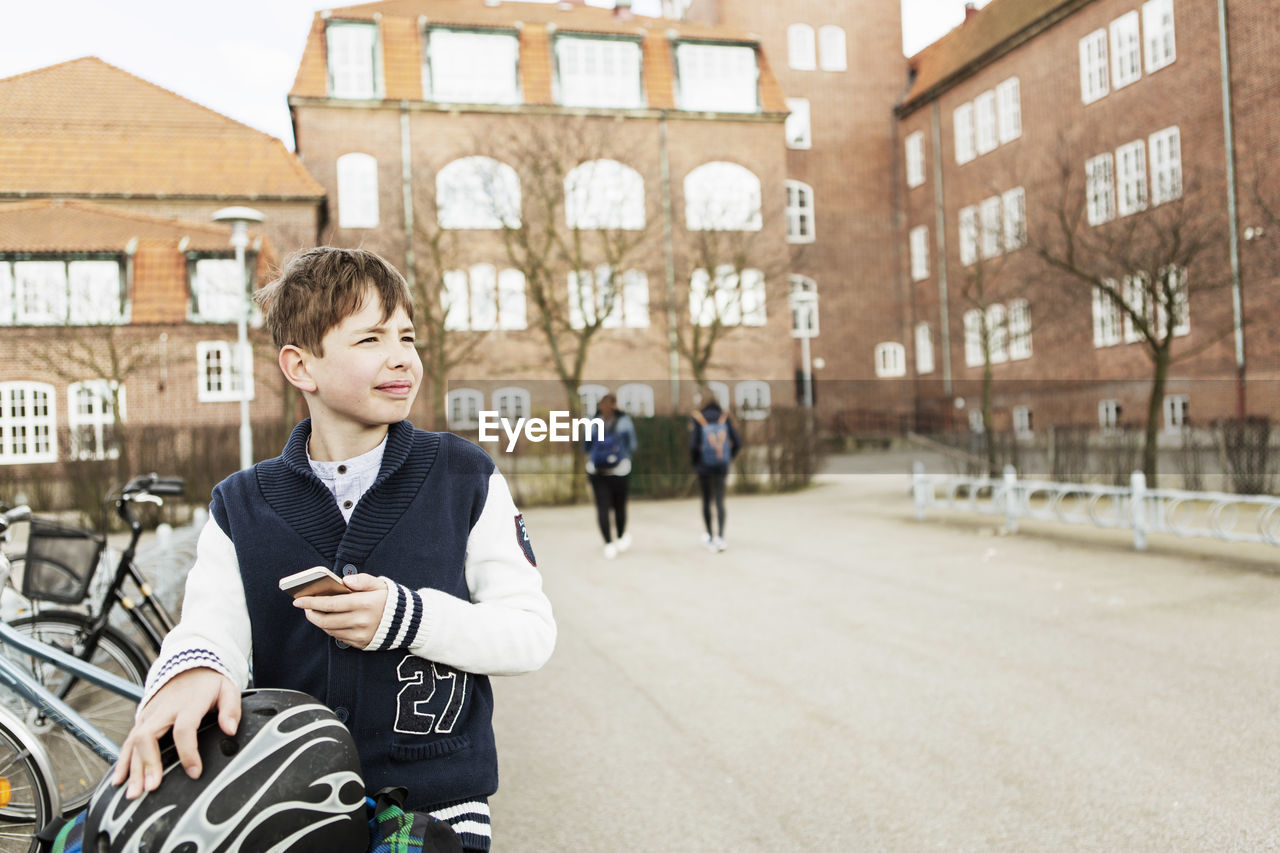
(239, 57)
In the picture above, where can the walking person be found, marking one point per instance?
(609, 470)
(713, 442)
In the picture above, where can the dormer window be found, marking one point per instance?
(722, 78)
(598, 72)
(473, 66)
(353, 59)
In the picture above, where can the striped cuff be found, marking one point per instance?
(470, 821)
(163, 671)
(401, 619)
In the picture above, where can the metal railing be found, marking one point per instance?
(1214, 515)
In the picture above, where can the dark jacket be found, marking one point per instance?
(711, 413)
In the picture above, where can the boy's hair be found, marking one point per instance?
(319, 288)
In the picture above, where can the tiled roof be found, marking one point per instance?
(996, 28)
(87, 128)
(57, 225)
(402, 53)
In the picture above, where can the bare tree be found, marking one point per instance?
(1142, 257)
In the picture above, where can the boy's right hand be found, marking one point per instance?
(180, 705)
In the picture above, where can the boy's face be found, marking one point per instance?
(370, 372)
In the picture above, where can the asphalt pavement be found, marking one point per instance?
(845, 678)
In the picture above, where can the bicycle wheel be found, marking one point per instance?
(27, 802)
(77, 770)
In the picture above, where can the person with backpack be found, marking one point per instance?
(609, 470)
(713, 442)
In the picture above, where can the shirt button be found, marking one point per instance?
(342, 469)
(342, 714)
(341, 644)
(346, 504)
(349, 569)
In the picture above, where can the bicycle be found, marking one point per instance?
(58, 567)
(30, 796)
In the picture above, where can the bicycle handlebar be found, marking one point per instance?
(153, 484)
(17, 513)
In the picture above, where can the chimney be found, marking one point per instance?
(622, 10)
(970, 9)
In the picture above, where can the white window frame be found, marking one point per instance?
(1100, 188)
(1109, 414)
(717, 77)
(1013, 203)
(217, 291)
(512, 302)
(512, 402)
(1022, 421)
(589, 397)
(890, 360)
(1166, 165)
(28, 435)
(97, 296)
(357, 190)
(802, 51)
(801, 216)
(968, 229)
(228, 371)
(1177, 290)
(736, 299)
(636, 399)
(833, 48)
(462, 408)
(991, 242)
(598, 72)
(635, 299)
(962, 127)
(353, 68)
(88, 427)
(997, 333)
(722, 196)
(804, 307)
(915, 158)
(752, 399)
(477, 194)
(1095, 80)
(1108, 319)
(1009, 98)
(918, 243)
(482, 297)
(1176, 408)
(1137, 298)
(1126, 50)
(798, 130)
(467, 66)
(1159, 43)
(1019, 330)
(455, 301)
(604, 195)
(975, 353)
(40, 292)
(985, 134)
(924, 349)
(1131, 178)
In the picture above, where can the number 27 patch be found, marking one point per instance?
(522, 539)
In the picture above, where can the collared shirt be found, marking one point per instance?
(349, 479)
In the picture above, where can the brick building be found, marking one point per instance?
(114, 283)
(670, 139)
(1107, 116)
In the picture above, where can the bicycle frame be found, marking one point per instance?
(49, 704)
(20, 733)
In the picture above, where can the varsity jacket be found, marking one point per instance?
(464, 602)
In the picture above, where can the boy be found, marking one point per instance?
(443, 586)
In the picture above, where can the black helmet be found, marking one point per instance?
(288, 780)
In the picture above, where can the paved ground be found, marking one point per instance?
(845, 678)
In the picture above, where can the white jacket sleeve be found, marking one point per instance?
(507, 627)
(214, 630)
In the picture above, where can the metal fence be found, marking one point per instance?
(1215, 515)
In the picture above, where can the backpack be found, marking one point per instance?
(714, 449)
(607, 451)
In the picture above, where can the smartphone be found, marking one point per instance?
(314, 581)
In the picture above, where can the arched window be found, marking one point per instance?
(357, 191)
(28, 421)
(800, 216)
(891, 360)
(831, 48)
(636, 399)
(752, 399)
(720, 196)
(511, 402)
(604, 194)
(463, 406)
(477, 193)
(804, 307)
(589, 396)
(800, 50)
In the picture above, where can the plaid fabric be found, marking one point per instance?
(393, 830)
(70, 838)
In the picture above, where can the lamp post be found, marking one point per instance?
(239, 219)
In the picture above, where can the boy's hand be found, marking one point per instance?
(181, 704)
(353, 617)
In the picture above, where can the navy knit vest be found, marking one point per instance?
(417, 724)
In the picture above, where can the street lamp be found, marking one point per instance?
(239, 219)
